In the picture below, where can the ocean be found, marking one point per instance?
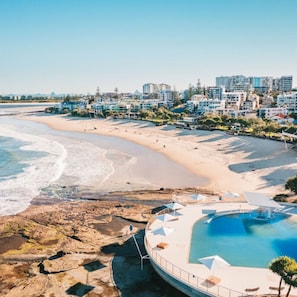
(34, 157)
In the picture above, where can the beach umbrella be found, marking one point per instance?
(231, 195)
(213, 262)
(164, 231)
(165, 217)
(198, 197)
(174, 206)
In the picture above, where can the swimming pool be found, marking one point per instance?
(243, 240)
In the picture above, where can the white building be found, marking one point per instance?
(234, 83)
(267, 113)
(210, 105)
(165, 95)
(261, 84)
(164, 87)
(216, 92)
(251, 103)
(234, 100)
(288, 101)
(150, 88)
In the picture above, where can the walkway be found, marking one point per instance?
(174, 257)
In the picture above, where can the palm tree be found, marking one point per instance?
(286, 268)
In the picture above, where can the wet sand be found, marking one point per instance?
(226, 163)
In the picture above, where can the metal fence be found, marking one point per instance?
(194, 282)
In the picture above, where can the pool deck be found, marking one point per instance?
(176, 253)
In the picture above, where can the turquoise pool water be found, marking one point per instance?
(243, 240)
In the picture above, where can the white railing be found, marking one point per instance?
(189, 279)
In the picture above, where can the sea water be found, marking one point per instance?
(34, 157)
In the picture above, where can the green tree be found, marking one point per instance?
(291, 184)
(116, 90)
(271, 126)
(144, 114)
(67, 98)
(176, 98)
(209, 122)
(198, 87)
(190, 92)
(286, 268)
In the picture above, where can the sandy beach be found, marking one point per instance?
(228, 163)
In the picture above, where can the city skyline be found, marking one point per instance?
(73, 46)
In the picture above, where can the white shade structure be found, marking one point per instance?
(231, 195)
(164, 231)
(174, 206)
(165, 217)
(213, 262)
(198, 197)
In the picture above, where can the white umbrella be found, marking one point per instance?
(165, 217)
(231, 195)
(164, 231)
(174, 206)
(213, 262)
(198, 197)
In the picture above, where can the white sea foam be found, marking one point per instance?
(85, 163)
(67, 161)
(17, 192)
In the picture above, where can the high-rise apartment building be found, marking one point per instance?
(234, 83)
(224, 81)
(285, 83)
(150, 88)
(164, 87)
(261, 84)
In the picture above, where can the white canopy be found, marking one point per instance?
(174, 205)
(261, 200)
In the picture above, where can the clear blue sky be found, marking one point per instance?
(73, 46)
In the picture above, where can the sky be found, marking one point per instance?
(75, 46)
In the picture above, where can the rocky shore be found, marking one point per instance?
(81, 243)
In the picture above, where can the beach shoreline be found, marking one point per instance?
(227, 163)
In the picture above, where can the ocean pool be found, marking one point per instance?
(243, 240)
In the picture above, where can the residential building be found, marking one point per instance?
(209, 105)
(288, 101)
(260, 84)
(282, 119)
(166, 95)
(150, 88)
(224, 81)
(285, 83)
(216, 92)
(71, 105)
(234, 100)
(267, 100)
(275, 84)
(164, 87)
(267, 113)
(234, 83)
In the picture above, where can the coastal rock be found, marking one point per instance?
(33, 287)
(65, 263)
(80, 247)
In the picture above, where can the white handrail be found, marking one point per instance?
(184, 276)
